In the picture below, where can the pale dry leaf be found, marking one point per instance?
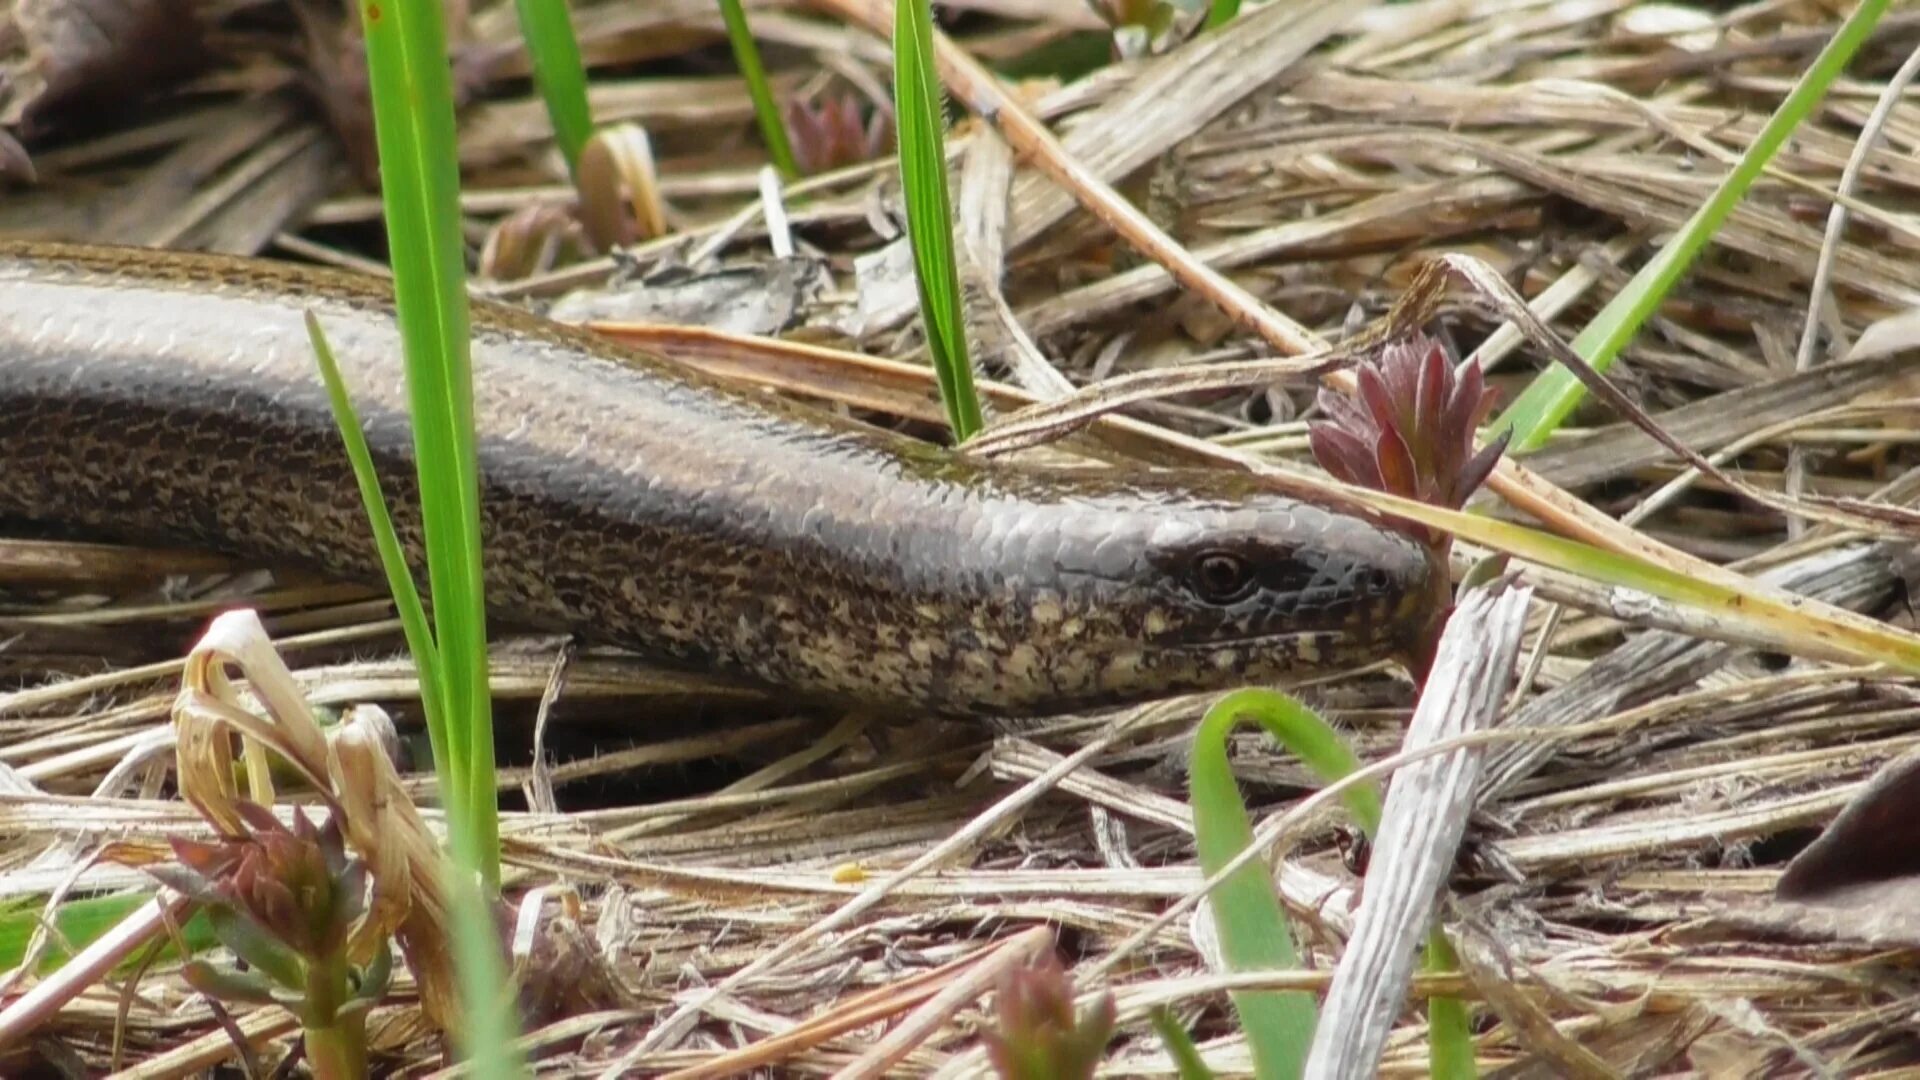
(1895, 333)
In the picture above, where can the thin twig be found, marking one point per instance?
(1817, 294)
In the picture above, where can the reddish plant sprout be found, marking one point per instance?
(1409, 430)
(1037, 1035)
(299, 884)
(289, 903)
(831, 135)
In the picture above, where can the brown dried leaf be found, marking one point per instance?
(15, 162)
(1870, 841)
(564, 973)
(528, 241)
(1860, 880)
(335, 74)
(77, 53)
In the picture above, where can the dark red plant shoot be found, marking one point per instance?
(1409, 431)
(289, 903)
(831, 135)
(1037, 1035)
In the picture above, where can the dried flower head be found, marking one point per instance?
(831, 135)
(1409, 431)
(1037, 1035)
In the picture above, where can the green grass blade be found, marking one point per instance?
(420, 186)
(1254, 934)
(1553, 395)
(921, 126)
(558, 72)
(1221, 12)
(1758, 615)
(1186, 1056)
(1449, 1024)
(393, 557)
(419, 167)
(1307, 737)
(746, 56)
(79, 923)
(1253, 930)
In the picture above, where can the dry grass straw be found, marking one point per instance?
(778, 882)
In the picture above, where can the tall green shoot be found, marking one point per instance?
(558, 73)
(1221, 12)
(766, 111)
(921, 130)
(412, 96)
(1551, 398)
(413, 123)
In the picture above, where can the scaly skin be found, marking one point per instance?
(165, 397)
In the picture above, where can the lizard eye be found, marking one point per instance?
(1221, 577)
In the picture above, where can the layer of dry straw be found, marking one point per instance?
(1613, 895)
